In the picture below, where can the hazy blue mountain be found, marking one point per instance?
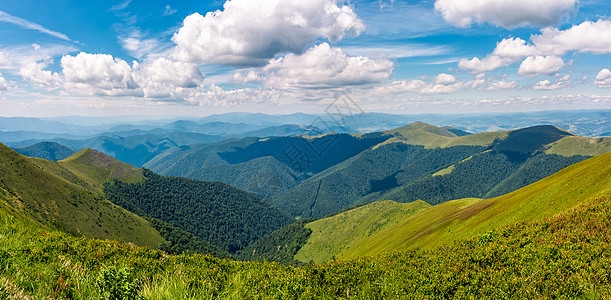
(46, 150)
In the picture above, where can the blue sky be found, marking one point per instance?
(281, 56)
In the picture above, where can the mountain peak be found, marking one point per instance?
(421, 126)
(101, 166)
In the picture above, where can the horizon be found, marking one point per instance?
(186, 58)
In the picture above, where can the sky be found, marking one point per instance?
(196, 58)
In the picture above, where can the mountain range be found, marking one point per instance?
(418, 209)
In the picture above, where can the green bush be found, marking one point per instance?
(118, 284)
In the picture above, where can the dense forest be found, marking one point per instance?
(488, 174)
(217, 213)
(178, 241)
(279, 246)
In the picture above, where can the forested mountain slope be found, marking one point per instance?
(424, 162)
(465, 218)
(217, 213)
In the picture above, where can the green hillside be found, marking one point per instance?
(57, 199)
(332, 235)
(90, 168)
(577, 145)
(46, 150)
(441, 224)
(566, 256)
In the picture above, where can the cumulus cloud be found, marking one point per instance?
(505, 13)
(445, 79)
(443, 84)
(591, 37)
(325, 67)
(534, 66)
(164, 78)
(100, 73)
(502, 85)
(548, 85)
(489, 63)
(3, 84)
(216, 96)
(587, 37)
(34, 72)
(251, 33)
(603, 79)
(251, 76)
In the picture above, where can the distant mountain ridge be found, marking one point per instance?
(46, 150)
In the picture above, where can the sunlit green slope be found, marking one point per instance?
(562, 257)
(332, 235)
(457, 219)
(55, 195)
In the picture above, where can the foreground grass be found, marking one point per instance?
(563, 256)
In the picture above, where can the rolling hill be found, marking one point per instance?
(332, 235)
(46, 150)
(52, 195)
(578, 184)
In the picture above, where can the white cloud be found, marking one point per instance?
(603, 79)
(505, 13)
(502, 85)
(514, 49)
(216, 96)
(589, 37)
(324, 67)
(547, 85)
(35, 73)
(249, 77)
(3, 84)
(163, 78)
(98, 74)
(489, 63)
(101, 74)
(443, 84)
(4, 17)
(445, 79)
(534, 66)
(252, 32)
